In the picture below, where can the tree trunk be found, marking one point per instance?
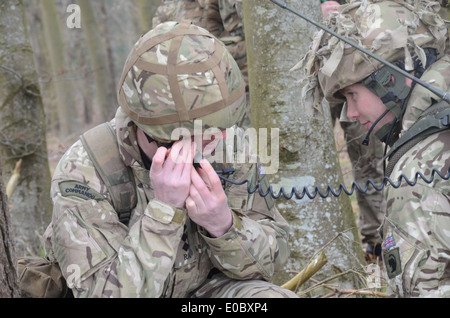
(276, 40)
(103, 91)
(9, 286)
(146, 11)
(22, 131)
(66, 106)
(42, 64)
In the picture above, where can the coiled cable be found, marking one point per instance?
(329, 189)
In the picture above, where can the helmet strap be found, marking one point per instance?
(390, 87)
(385, 133)
(366, 138)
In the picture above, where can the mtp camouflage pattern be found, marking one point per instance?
(177, 73)
(223, 18)
(416, 227)
(393, 30)
(161, 253)
(366, 164)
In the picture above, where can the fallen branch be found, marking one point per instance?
(14, 180)
(319, 284)
(337, 291)
(306, 273)
(362, 292)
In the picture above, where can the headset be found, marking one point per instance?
(342, 188)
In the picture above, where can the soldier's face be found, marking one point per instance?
(365, 106)
(150, 146)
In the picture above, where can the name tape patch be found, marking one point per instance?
(80, 190)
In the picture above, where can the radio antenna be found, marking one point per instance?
(444, 95)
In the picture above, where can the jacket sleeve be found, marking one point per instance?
(98, 255)
(416, 227)
(256, 246)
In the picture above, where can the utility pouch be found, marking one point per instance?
(40, 278)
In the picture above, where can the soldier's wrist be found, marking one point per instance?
(236, 225)
(164, 212)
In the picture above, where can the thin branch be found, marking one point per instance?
(337, 291)
(319, 284)
(306, 273)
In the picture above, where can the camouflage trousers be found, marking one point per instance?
(366, 164)
(221, 286)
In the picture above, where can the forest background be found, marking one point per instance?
(58, 78)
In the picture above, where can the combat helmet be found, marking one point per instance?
(407, 33)
(178, 73)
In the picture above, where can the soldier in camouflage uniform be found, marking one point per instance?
(188, 236)
(416, 226)
(366, 164)
(223, 18)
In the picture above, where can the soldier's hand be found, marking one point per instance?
(328, 7)
(207, 203)
(170, 173)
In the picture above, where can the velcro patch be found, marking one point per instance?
(392, 263)
(80, 190)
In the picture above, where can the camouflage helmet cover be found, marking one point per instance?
(393, 30)
(177, 73)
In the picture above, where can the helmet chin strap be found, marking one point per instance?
(366, 138)
(384, 133)
(390, 87)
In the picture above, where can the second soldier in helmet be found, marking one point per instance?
(412, 35)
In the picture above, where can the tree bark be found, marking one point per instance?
(9, 286)
(22, 131)
(66, 106)
(276, 41)
(146, 11)
(103, 91)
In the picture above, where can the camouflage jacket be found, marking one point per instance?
(416, 228)
(159, 253)
(223, 18)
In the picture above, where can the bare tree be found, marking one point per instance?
(276, 40)
(146, 11)
(66, 106)
(22, 131)
(9, 286)
(104, 89)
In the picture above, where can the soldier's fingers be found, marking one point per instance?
(189, 160)
(179, 155)
(212, 179)
(204, 177)
(190, 205)
(197, 197)
(158, 161)
(199, 184)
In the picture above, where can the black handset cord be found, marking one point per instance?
(330, 190)
(444, 95)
